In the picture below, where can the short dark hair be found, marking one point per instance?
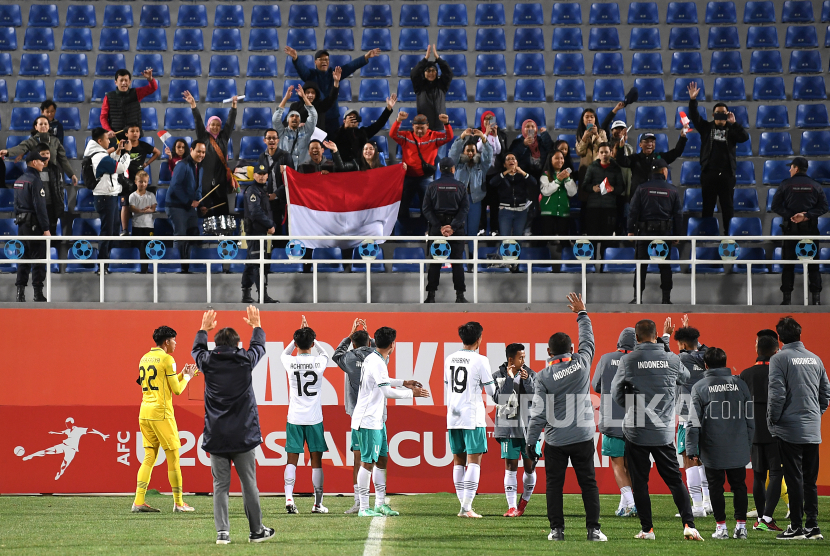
(687, 335)
(560, 343)
(385, 337)
(470, 332)
(226, 337)
(603, 144)
(315, 141)
(270, 129)
(471, 143)
(768, 332)
(162, 334)
(196, 142)
(767, 345)
(789, 330)
(304, 338)
(721, 104)
(645, 330)
(360, 338)
(40, 147)
(130, 126)
(123, 72)
(97, 133)
(714, 358)
(48, 104)
(513, 349)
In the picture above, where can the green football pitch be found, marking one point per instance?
(427, 526)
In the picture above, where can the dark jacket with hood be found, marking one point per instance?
(213, 171)
(513, 398)
(693, 361)
(351, 140)
(321, 104)
(431, 96)
(523, 153)
(330, 120)
(730, 134)
(611, 414)
(594, 175)
(58, 166)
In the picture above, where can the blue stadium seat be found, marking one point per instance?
(769, 88)
(819, 170)
(373, 90)
(189, 40)
(229, 40)
(256, 118)
(154, 15)
(721, 13)
(456, 62)
(80, 16)
(745, 226)
(414, 39)
(729, 89)
(43, 15)
(84, 201)
(801, 36)
(30, 90)
(106, 64)
(529, 90)
(490, 65)
(567, 38)
(8, 38)
(498, 111)
(537, 114)
(6, 64)
(178, 86)
(761, 37)
(775, 171)
(229, 16)
(815, 143)
(745, 173)
(692, 148)
(152, 39)
(406, 92)
(69, 117)
(68, 91)
(14, 140)
(726, 62)
(618, 254)
(101, 87)
(10, 16)
(723, 37)
(492, 90)
(536, 254)
(490, 40)
(602, 112)
(679, 125)
(289, 82)
(646, 63)
(340, 15)
(703, 226)
(370, 115)
(765, 61)
(23, 118)
(528, 39)
(382, 39)
(328, 253)
(751, 254)
(404, 253)
(651, 89)
(564, 64)
(303, 15)
(6, 200)
(381, 15)
(414, 15)
(643, 13)
(34, 64)
(824, 227)
(125, 253)
(771, 117)
(266, 16)
(644, 38)
(674, 255)
(681, 13)
(569, 90)
(608, 90)
(113, 40)
(650, 117)
(809, 88)
(279, 254)
(191, 15)
(251, 147)
(684, 38)
(797, 12)
(178, 118)
(378, 66)
(604, 14)
(184, 65)
(117, 15)
(811, 115)
(759, 12)
(39, 38)
(741, 117)
(566, 13)
(572, 266)
(219, 89)
(686, 63)
(264, 39)
(603, 38)
(86, 226)
(338, 39)
(607, 63)
(149, 119)
(690, 176)
(825, 11)
(528, 14)
(746, 200)
(775, 143)
(770, 197)
(805, 61)
(490, 14)
(259, 66)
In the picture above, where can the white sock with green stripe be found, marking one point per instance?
(458, 481)
(364, 478)
(693, 484)
(317, 481)
(356, 496)
(471, 478)
(379, 478)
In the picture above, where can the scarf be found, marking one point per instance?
(207, 127)
(534, 147)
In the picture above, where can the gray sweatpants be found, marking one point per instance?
(220, 467)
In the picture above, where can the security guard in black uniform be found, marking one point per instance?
(445, 208)
(32, 219)
(800, 201)
(258, 222)
(655, 210)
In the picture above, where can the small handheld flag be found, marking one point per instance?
(684, 119)
(164, 136)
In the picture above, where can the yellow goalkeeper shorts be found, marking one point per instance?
(162, 433)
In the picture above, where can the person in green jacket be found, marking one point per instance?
(556, 186)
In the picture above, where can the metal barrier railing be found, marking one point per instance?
(692, 261)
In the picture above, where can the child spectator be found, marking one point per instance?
(142, 206)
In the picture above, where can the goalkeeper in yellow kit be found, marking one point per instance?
(159, 381)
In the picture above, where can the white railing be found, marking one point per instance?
(693, 261)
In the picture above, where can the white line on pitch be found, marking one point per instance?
(375, 537)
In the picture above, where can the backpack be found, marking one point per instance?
(88, 173)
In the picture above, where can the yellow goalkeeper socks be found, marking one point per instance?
(144, 473)
(174, 474)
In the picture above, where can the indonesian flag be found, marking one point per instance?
(164, 136)
(343, 204)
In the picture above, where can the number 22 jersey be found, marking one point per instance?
(159, 381)
(465, 374)
(305, 381)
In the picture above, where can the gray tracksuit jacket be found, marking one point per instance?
(721, 428)
(513, 398)
(562, 400)
(650, 373)
(693, 361)
(611, 414)
(799, 392)
(351, 362)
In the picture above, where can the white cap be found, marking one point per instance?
(617, 123)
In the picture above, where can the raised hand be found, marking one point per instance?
(575, 302)
(467, 132)
(372, 53)
(402, 115)
(693, 90)
(338, 71)
(355, 325)
(291, 52)
(300, 92)
(511, 370)
(619, 106)
(330, 145)
(730, 117)
(391, 100)
(252, 319)
(288, 92)
(429, 49)
(668, 327)
(685, 322)
(562, 176)
(148, 74)
(209, 320)
(444, 119)
(234, 99)
(188, 98)
(435, 51)
(304, 324)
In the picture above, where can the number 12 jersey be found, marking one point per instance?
(465, 374)
(305, 380)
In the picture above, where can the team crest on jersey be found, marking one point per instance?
(69, 447)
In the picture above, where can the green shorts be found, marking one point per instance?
(297, 435)
(468, 441)
(612, 446)
(681, 438)
(513, 448)
(371, 443)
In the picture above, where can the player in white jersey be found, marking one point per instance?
(368, 420)
(305, 413)
(466, 373)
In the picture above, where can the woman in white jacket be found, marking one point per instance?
(557, 187)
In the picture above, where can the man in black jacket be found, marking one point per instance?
(32, 220)
(718, 158)
(273, 159)
(232, 431)
(317, 163)
(350, 138)
(430, 88)
(258, 222)
(800, 201)
(641, 162)
(445, 208)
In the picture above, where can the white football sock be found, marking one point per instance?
(628, 496)
(458, 480)
(290, 476)
(767, 519)
(364, 477)
(379, 477)
(356, 495)
(704, 484)
(317, 481)
(693, 484)
(471, 478)
(529, 481)
(511, 484)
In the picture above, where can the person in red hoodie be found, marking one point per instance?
(419, 148)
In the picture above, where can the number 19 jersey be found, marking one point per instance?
(465, 374)
(305, 381)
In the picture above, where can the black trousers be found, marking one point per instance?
(491, 199)
(412, 185)
(581, 456)
(788, 254)
(250, 276)
(718, 185)
(800, 463)
(737, 484)
(639, 467)
(278, 214)
(142, 245)
(666, 280)
(434, 270)
(32, 249)
(765, 459)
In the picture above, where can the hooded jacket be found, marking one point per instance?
(513, 398)
(231, 414)
(497, 141)
(565, 382)
(649, 374)
(107, 168)
(473, 176)
(428, 144)
(351, 140)
(693, 361)
(295, 142)
(735, 133)
(799, 392)
(214, 172)
(611, 414)
(431, 96)
(351, 363)
(524, 155)
(320, 103)
(721, 434)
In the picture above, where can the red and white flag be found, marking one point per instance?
(164, 136)
(343, 204)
